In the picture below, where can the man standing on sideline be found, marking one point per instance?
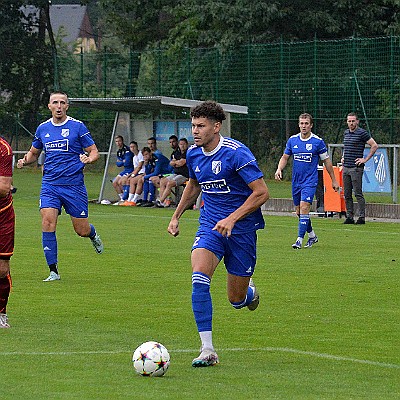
(233, 188)
(353, 166)
(307, 149)
(69, 147)
(7, 227)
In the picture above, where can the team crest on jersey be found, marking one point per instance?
(64, 132)
(216, 167)
(308, 146)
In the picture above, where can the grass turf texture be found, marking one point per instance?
(327, 326)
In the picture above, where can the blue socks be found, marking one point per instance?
(201, 301)
(304, 225)
(92, 233)
(49, 242)
(247, 300)
(125, 193)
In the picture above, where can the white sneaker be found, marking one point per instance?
(297, 245)
(207, 358)
(256, 299)
(52, 277)
(4, 321)
(97, 244)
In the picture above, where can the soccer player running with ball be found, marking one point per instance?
(307, 149)
(68, 146)
(233, 190)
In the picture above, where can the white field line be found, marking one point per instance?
(238, 349)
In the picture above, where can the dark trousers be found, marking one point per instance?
(352, 180)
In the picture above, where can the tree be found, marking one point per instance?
(26, 63)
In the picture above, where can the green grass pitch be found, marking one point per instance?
(328, 324)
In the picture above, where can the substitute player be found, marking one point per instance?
(233, 190)
(7, 226)
(125, 160)
(68, 146)
(307, 149)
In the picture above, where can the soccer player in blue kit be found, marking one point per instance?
(68, 146)
(307, 149)
(233, 190)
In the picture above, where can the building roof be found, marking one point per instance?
(144, 104)
(71, 19)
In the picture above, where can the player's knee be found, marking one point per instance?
(4, 267)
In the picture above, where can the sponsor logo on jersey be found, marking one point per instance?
(57, 145)
(309, 146)
(303, 157)
(216, 167)
(295, 146)
(64, 132)
(47, 135)
(197, 169)
(218, 186)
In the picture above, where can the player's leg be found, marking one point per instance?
(125, 186)
(5, 287)
(170, 183)
(303, 207)
(204, 263)
(348, 195)
(358, 193)
(240, 261)
(75, 202)
(49, 240)
(7, 227)
(117, 186)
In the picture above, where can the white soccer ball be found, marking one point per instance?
(151, 359)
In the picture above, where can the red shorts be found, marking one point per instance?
(7, 229)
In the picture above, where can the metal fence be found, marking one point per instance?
(277, 81)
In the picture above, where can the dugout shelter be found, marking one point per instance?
(139, 118)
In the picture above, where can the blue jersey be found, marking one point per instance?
(161, 166)
(62, 144)
(306, 155)
(125, 158)
(224, 175)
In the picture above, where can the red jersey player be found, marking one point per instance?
(7, 227)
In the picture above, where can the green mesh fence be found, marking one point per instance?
(277, 81)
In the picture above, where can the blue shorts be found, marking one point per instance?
(126, 171)
(303, 193)
(238, 250)
(73, 198)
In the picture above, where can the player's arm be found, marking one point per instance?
(30, 157)
(138, 168)
(329, 167)
(5, 185)
(91, 155)
(373, 149)
(189, 196)
(281, 165)
(258, 197)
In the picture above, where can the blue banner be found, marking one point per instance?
(163, 130)
(376, 177)
(185, 130)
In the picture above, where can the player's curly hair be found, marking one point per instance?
(210, 110)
